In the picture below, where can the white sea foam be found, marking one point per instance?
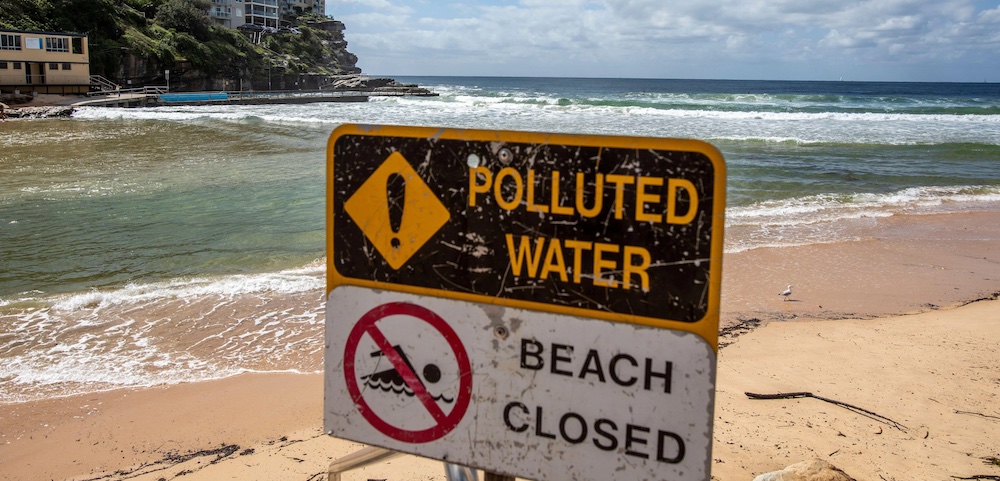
(528, 111)
(832, 207)
(183, 330)
(826, 218)
(292, 281)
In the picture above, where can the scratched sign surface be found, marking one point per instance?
(617, 228)
(538, 305)
(524, 393)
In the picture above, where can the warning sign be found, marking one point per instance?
(539, 395)
(537, 305)
(396, 210)
(617, 228)
(380, 389)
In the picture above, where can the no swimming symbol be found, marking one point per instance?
(377, 390)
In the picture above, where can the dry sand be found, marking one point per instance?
(929, 380)
(51, 100)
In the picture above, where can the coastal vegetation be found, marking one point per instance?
(136, 42)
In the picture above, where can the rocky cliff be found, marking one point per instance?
(312, 56)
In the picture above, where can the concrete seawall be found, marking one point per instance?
(62, 106)
(241, 98)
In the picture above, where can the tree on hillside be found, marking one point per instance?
(25, 15)
(187, 16)
(86, 16)
(147, 7)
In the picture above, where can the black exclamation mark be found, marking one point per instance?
(395, 188)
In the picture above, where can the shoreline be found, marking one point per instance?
(261, 426)
(899, 271)
(889, 323)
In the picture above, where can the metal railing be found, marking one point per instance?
(148, 90)
(291, 94)
(103, 83)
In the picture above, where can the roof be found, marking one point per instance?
(64, 34)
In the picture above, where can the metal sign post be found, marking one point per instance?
(537, 305)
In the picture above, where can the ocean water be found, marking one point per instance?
(149, 246)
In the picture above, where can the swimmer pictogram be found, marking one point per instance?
(390, 380)
(369, 387)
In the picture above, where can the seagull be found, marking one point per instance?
(786, 293)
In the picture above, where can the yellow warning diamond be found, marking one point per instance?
(396, 210)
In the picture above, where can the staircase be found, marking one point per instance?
(102, 84)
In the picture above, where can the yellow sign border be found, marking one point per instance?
(707, 327)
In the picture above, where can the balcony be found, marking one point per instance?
(261, 12)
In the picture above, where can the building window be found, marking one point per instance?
(53, 66)
(3, 65)
(56, 44)
(78, 45)
(67, 66)
(10, 42)
(17, 65)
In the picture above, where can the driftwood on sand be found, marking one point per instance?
(851, 407)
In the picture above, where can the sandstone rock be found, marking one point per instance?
(12, 100)
(40, 112)
(813, 470)
(377, 84)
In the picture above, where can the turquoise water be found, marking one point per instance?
(115, 214)
(116, 196)
(112, 202)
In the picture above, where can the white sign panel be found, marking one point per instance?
(519, 392)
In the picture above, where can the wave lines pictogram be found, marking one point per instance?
(404, 389)
(390, 380)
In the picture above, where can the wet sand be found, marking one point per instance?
(886, 323)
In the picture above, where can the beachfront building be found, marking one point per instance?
(298, 7)
(266, 13)
(261, 12)
(223, 12)
(234, 13)
(44, 62)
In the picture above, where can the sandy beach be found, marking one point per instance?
(48, 100)
(903, 326)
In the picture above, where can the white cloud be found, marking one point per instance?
(990, 16)
(585, 37)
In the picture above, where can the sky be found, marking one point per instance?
(861, 40)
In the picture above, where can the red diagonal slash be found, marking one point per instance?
(408, 375)
(444, 423)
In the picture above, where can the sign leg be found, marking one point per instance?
(496, 477)
(456, 472)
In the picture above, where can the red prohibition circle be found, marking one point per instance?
(444, 422)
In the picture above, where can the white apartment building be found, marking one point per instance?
(268, 13)
(222, 12)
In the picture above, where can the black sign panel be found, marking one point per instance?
(609, 224)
